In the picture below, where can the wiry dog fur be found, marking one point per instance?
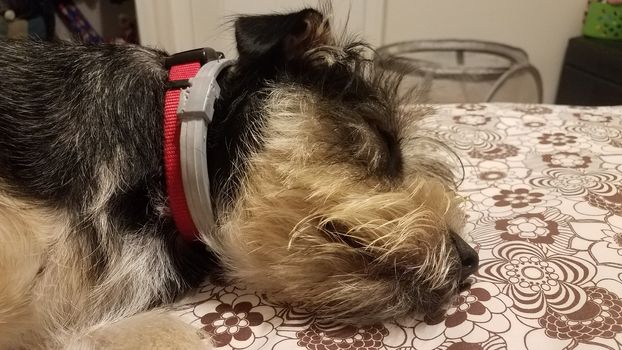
(326, 193)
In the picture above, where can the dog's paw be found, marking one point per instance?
(151, 330)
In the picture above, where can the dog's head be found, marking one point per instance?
(337, 201)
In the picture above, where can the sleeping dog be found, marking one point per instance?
(320, 187)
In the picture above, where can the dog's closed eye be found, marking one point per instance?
(338, 232)
(393, 154)
(388, 154)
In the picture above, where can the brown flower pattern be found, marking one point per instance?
(493, 343)
(528, 227)
(548, 230)
(472, 119)
(592, 117)
(599, 132)
(575, 182)
(544, 203)
(557, 139)
(469, 302)
(534, 109)
(519, 198)
(612, 203)
(499, 151)
(492, 175)
(346, 337)
(471, 107)
(536, 281)
(231, 321)
(481, 307)
(600, 316)
(567, 160)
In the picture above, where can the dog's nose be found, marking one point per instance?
(469, 260)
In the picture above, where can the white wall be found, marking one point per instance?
(365, 16)
(541, 27)
(177, 25)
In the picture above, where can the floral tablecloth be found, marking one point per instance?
(544, 185)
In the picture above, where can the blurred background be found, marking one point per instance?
(459, 51)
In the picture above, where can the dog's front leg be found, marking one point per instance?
(149, 330)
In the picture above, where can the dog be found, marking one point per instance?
(325, 190)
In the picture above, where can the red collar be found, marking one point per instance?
(182, 67)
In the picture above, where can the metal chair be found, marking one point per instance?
(452, 71)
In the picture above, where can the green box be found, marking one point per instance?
(603, 21)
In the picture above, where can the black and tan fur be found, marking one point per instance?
(324, 190)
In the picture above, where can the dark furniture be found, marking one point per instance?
(592, 73)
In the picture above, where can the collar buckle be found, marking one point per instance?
(198, 98)
(202, 56)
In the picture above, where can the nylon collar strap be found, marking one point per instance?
(188, 110)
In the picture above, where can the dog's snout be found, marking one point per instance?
(469, 260)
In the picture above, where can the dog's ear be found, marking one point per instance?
(277, 39)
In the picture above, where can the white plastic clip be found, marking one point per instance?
(195, 110)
